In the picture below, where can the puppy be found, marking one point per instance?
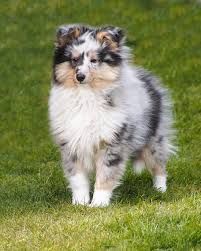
(104, 111)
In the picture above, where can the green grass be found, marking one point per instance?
(35, 209)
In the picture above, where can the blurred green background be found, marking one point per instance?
(35, 209)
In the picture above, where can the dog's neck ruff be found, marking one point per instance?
(82, 118)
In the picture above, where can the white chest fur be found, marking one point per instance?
(82, 118)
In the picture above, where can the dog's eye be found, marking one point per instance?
(93, 60)
(75, 60)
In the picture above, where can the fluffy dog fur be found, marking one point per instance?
(104, 111)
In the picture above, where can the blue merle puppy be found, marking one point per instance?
(104, 111)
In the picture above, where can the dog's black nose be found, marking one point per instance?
(80, 77)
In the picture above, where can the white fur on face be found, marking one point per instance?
(90, 44)
(87, 49)
(97, 74)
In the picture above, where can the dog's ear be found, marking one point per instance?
(111, 36)
(66, 34)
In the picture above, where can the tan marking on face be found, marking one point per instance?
(65, 74)
(104, 36)
(104, 76)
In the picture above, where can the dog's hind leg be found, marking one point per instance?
(139, 164)
(155, 157)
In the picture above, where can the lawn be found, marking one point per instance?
(35, 203)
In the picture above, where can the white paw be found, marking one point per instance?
(101, 198)
(160, 183)
(80, 198)
(80, 188)
(138, 166)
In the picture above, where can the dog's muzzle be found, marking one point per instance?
(80, 77)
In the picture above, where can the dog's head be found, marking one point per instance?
(88, 56)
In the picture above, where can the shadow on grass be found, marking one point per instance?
(33, 193)
(136, 188)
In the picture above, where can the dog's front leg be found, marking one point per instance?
(110, 167)
(77, 177)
